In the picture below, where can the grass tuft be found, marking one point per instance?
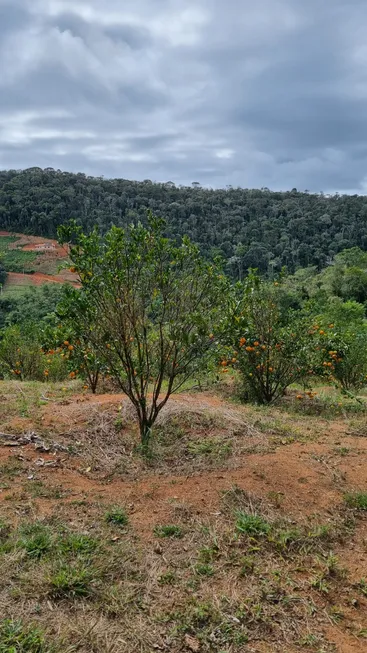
(117, 516)
(253, 525)
(169, 530)
(15, 637)
(36, 540)
(357, 500)
(70, 582)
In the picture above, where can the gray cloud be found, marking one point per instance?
(272, 93)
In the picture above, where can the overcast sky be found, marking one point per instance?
(250, 93)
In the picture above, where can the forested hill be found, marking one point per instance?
(251, 228)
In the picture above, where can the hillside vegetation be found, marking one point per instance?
(250, 228)
(182, 456)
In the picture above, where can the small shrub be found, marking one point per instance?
(357, 500)
(117, 516)
(253, 525)
(169, 530)
(15, 637)
(271, 343)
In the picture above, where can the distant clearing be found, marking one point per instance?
(32, 261)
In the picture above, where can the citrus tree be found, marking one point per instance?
(23, 357)
(271, 343)
(150, 308)
(342, 345)
(65, 341)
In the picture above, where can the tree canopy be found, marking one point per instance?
(248, 228)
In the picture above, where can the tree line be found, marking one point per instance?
(246, 227)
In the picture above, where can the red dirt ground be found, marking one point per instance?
(35, 279)
(305, 474)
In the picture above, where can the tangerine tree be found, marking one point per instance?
(64, 340)
(342, 345)
(272, 342)
(150, 308)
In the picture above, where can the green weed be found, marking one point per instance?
(357, 500)
(168, 530)
(70, 582)
(253, 525)
(36, 540)
(15, 637)
(117, 516)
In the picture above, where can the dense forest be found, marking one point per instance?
(249, 228)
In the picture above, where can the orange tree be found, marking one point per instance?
(272, 342)
(64, 340)
(23, 356)
(150, 308)
(342, 346)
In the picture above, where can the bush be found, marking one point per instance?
(342, 351)
(272, 342)
(20, 353)
(22, 356)
(150, 308)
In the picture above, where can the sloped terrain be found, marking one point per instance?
(245, 530)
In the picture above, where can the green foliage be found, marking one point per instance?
(356, 500)
(70, 581)
(117, 516)
(15, 260)
(252, 524)
(22, 356)
(253, 228)
(3, 273)
(15, 637)
(36, 304)
(36, 540)
(271, 341)
(202, 569)
(76, 350)
(168, 530)
(348, 275)
(148, 307)
(20, 353)
(77, 544)
(342, 349)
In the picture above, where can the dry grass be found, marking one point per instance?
(94, 588)
(113, 567)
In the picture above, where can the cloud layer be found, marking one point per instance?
(272, 93)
